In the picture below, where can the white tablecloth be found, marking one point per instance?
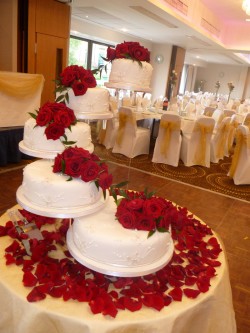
(211, 312)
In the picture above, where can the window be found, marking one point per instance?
(87, 53)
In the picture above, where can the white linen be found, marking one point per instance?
(209, 312)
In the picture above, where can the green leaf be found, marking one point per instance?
(121, 184)
(60, 98)
(33, 115)
(104, 194)
(69, 179)
(150, 233)
(160, 229)
(67, 97)
(68, 143)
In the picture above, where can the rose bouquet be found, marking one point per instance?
(126, 50)
(173, 78)
(76, 78)
(55, 117)
(143, 211)
(231, 88)
(77, 162)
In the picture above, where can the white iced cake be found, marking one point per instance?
(100, 242)
(94, 102)
(129, 74)
(44, 188)
(34, 137)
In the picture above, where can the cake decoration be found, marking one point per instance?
(77, 162)
(55, 117)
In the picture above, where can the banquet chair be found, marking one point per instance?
(168, 142)
(229, 113)
(218, 115)
(219, 141)
(240, 166)
(209, 110)
(127, 101)
(231, 135)
(190, 110)
(246, 120)
(131, 140)
(110, 133)
(195, 146)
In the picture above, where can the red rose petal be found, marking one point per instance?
(176, 294)
(191, 293)
(29, 279)
(35, 295)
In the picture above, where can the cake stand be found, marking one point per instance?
(115, 270)
(59, 212)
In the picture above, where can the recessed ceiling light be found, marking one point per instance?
(124, 29)
(197, 57)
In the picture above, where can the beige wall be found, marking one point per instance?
(8, 35)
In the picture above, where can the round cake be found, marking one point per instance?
(44, 188)
(94, 102)
(130, 74)
(101, 243)
(35, 139)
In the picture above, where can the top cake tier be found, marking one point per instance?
(131, 75)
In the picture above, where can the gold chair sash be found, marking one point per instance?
(200, 155)
(101, 135)
(20, 85)
(233, 127)
(241, 140)
(123, 120)
(168, 127)
(222, 140)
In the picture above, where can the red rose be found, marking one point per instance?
(73, 166)
(67, 77)
(111, 54)
(79, 88)
(45, 115)
(105, 180)
(90, 171)
(76, 151)
(90, 80)
(139, 53)
(153, 207)
(54, 131)
(126, 218)
(57, 167)
(135, 204)
(145, 222)
(63, 118)
(122, 50)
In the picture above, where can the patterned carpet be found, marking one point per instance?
(214, 178)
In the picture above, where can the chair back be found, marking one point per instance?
(201, 137)
(220, 138)
(169, 130)
(246, 120)
(218, 115)
(209, 110)
(20, 94)
(127, 123)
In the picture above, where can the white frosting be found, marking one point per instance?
(94, 102)
(44, 188)
(35, 139)
(129, 74)
(101, 238)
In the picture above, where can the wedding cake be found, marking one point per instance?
(35, 139)
(76, 86)
(130, 67)
(76, 179)
(102, 243)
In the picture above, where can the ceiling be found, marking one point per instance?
(151, 20)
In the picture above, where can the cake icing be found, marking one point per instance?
(94, 102)
(35, 139)
(129, 74)
(99, 237)
(44, 188)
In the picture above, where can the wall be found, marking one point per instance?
(8, 35)
(224, 74)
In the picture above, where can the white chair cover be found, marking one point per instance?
(209, 110)
(218, 115)
(240, 167)
(232, 131)
(131, 140)
(20, 93)
(168, 142)
(195, 146)
(190, 110)
(110, 133)
(219, 140)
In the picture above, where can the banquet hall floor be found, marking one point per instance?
(228, 217)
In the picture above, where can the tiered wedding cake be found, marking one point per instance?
(117, 236)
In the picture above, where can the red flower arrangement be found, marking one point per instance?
(143, 211)
(189, 273)
(55, 117)
(76, 78)
(80, 163)
(126, 50)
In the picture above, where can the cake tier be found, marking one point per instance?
(35, 139)
(94, 102)
(129, 74)
(101, 243)
(42, 187)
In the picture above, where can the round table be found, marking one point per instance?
(209, 312)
